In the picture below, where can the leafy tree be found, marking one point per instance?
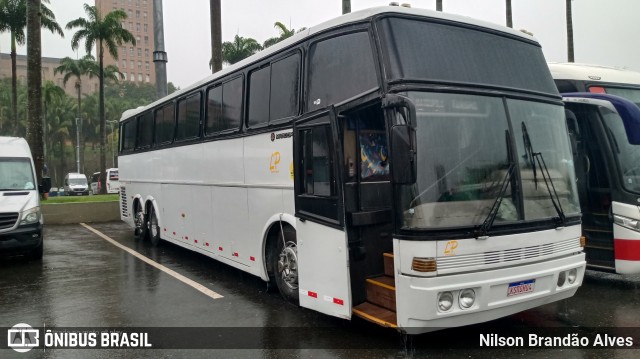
(284, 34)
(13, 19)
(239, 49)
(50, 91)
(106, 32)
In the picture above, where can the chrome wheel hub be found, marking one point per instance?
(288, 265)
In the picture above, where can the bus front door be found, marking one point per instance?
(322, 250)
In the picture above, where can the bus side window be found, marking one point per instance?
(319, 179)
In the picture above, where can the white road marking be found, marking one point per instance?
(197, 286)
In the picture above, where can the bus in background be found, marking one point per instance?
(572, 77)
(605, 130)
(366, 174)
(113, 181)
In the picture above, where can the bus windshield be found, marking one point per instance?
(628, 155)
(630, 94)
(465, 146)
(16, 174)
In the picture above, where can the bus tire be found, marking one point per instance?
(154, 228)
(140, 220)
(285, 265)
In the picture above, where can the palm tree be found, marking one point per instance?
(438, 5)
(346, 6)
(509, 14)
(50, 91)
(61, 112)
(76, 68)
(14, 20)
(570, 56)
(104, 32)
(216, 36)
(284, 34)
(239, 49)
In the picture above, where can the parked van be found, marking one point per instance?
(75, 184)
(113, 181)
(20, 216)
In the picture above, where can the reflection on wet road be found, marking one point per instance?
(85, 281)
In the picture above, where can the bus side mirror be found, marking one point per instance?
(403, 154)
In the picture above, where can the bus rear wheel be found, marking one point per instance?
(285, 264)
(140, 221)
(154, 228)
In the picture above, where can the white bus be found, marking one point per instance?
(604, 120)
(401, 165)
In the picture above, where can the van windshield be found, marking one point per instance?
(78, 181)
(16, 174)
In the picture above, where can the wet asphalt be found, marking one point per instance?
(85, 281)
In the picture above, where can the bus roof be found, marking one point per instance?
(354, 17)
(598, 73)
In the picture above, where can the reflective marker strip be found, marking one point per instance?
(197, 286)
(252, 258)
(627, 249)
(308, 293)
(334, 300)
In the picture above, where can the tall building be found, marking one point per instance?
(135, 62)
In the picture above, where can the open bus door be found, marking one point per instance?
(322, 249)
(603, 129)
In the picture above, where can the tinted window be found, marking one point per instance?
(259, 96)
(165, 123)
(285, 79)
(445, 53)
(188, 117)
(145, 130)
(214, 109)
(340, 68)
(129, 136)
(317, 169)
(232, 104)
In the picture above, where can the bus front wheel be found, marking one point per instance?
(285, 264)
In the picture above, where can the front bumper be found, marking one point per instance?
(21, 240)
(417, 298)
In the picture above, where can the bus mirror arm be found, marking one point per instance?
(395, 101)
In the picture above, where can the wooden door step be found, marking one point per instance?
(376, 314)
(381, 291)
(388, 264)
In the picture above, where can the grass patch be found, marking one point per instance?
(76, 199)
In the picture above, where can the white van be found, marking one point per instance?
(20, 216)
(75, 184)
(113, 181)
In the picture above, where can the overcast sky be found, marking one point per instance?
(605, 32)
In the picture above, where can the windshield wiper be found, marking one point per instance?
(546, 176)
(493, 212)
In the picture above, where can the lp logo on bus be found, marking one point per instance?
(275, 160)
(450, 248)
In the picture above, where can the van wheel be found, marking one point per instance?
(140, 220)
(36, 254)
(285, 265)
(154, 228)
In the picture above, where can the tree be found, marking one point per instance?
(216, 36)
(50, 92)
(509, 14)
(239, 49)
(284, 34)
(76, 68)
(346, 6)
(438, 5)
(104, 32)
(34, 85)
(13, 19)
(570, 56)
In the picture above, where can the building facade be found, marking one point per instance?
(135, 62)
(49, 64)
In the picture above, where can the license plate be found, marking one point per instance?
(517, 288)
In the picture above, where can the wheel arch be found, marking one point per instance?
(270, 234)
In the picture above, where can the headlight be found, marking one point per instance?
(562, 276)
(30, 216)
(467, 298)
(573, 274)
(445, 301)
